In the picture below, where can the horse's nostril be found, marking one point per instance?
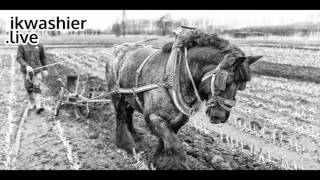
(214, 117)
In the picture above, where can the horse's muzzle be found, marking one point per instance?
(217, 115)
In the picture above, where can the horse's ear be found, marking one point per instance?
(234, 62)
(238, 61)
(253, 59)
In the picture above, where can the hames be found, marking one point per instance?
(56, 23)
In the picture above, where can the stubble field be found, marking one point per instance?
(275, 124)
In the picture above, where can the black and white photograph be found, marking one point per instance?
(160, 90)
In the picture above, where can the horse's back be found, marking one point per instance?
(126, 61)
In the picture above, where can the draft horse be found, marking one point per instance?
(167, 84)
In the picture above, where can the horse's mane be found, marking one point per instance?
(200, 39)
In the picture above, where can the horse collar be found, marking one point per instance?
(173, 76)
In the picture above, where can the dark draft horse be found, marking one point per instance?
(205, 52)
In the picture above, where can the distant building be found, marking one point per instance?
(242, 33)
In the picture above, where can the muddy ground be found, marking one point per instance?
(70, 142)
(46, 142)
(92, 138)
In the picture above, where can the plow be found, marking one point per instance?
(70, 94)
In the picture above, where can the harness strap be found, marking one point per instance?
(137, 77)
(209, 74)
(190, 75)
(212, 84)
(214, 71)
(137, 98)
(141, 66)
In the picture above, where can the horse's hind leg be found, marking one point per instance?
(169, 153)
(136, 134)
(124, 137)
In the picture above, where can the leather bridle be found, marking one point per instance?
(173, 73)
(215, 99)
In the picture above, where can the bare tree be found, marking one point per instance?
(123, 24)
(165, 24)
(116, 29)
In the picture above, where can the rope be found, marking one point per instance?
(51, 64)
(151, 39)
(28, 76)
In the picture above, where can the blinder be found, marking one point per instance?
(221, 80)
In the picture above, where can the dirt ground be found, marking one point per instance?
(204, 151)
(68, 142)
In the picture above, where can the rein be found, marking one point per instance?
(53, 64)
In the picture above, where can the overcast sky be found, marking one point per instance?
(103, 19)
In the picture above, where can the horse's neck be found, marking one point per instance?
(186, 87)
(197, 70)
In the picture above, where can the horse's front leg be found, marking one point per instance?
(178, 122)
(170, 153)
(124, 137)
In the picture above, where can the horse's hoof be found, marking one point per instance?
(172, 164)
(178, 165)
(127, 147)
(126, 144)
(171, 161)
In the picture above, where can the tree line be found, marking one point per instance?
(162, 26)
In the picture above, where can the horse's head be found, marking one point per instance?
(219, 69)
(219, 85)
